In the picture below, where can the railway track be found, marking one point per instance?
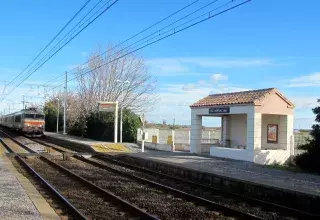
(194, 192)
(264, 209)
(158, 199)
(80, 197)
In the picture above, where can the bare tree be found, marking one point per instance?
(98, 82)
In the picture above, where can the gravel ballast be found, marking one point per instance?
(154, 201)
(89, 203)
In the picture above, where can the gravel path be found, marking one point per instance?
(154, 201)
(14, 201)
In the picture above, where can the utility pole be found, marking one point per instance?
(65, 105)
(116, 124)
(58, 114)
(143, 133)
(23, 102)
(121, 112)
(121, 109)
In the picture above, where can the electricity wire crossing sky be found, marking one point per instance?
(193, 47)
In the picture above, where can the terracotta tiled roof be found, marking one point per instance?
(234, 98)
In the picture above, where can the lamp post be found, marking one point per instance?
(121, 106)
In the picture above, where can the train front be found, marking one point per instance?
(33, 124)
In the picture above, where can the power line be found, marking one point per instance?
(210, 16)
(64, 45)
(140, 32)
(144, 30)
(71, 32)
(46, 60)
(62, 29)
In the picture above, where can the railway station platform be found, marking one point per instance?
(91, 145)
(238, 170)
(18, 197)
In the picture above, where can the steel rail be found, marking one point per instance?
(76, 213)
(208, 203)
(106, 194)
(190, 197)
(264, 204)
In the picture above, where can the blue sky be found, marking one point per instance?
(259, 45)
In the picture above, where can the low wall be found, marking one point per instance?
(161, 147)
(271, 156)
(298, 200)
(232, 153)
(182, 147)
(260, 157)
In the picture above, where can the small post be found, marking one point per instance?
(23, 105)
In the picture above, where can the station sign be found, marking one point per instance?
(221, 110)
(107, 106)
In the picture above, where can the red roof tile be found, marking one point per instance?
(234, 98)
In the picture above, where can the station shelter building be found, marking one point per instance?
(256, 125)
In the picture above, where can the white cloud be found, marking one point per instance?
(227, 63)
(175, 99)
(167, 67)
(218, 77)
(306, 80)
(187, 65)
(304, 102)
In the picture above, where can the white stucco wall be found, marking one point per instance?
(274, 104)
(238, 130)
(256, 156)
(236, 154)
(161, 147)
(163, 136)
(285, 130)
(271, 156)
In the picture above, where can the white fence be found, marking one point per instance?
(178, 136)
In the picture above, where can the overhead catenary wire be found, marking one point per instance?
(68, 41)
(65, 44)
(157, 32)
(50, 42)
(135, 35)
(70, 33)
(210, 16)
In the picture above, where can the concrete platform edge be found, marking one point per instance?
(37, 199)
(246, 187)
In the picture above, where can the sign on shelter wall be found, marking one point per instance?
(220, 110)
(272, 133)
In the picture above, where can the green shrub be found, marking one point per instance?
(310, 160)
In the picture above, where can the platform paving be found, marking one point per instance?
(99, 146)
(300, 182)
(14, 201)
